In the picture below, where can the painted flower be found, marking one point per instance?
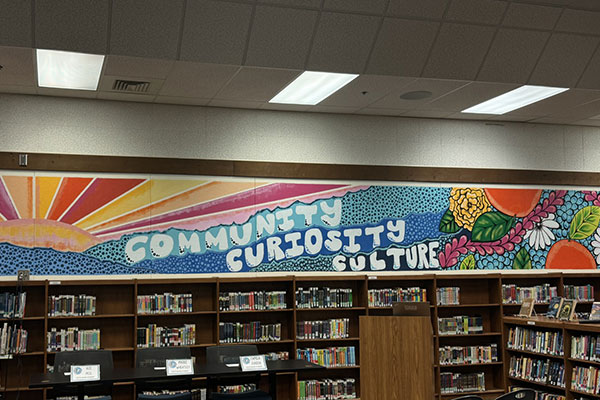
(541, 235)
(596, 245)
(467, 205)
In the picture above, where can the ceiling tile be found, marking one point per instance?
(513, 56)
(17, 89)
(579, 22)
(235, 104)
(215, 31)
(531, 16)
(281, 37)
(553, 121)
(584, 111)
(137, 67)
(436, 86)
(188, 101)
(57, 22)
(86, 94)
(342, 42)
(591, 77)
(427, 114)
(593, 5)
(15, 23)
(18, 66)
(458, 51)
(197, 80)
(146, 28)
(563, 60)
(474, 117)
(361, 6)
(418, 8)
(391, 112)
(314, 4)
(390, 54)
(334, 110)
(256, 84)
(513, 118)
(547, 2)
(375, 87)
(467, 96)
(139, 98)
(559, 103)
(479, 11)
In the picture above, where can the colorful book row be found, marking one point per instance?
(537, 341)
(453, 355)
(161, 336)
(330, 357)
(247, 301)
(456, 382)
(12, 305)
(447, 296)
(248, 332)
(164, 303)
(386, 297)
(585, 347)
(537, 370)
(73, 339)
(71, 305)
(13, 340)
(327, 389)
(460, 325)
(315, 297)
(327, 329)
(513, 294)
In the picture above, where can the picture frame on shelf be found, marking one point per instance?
(567, 310)
(526, 308)
(554, 307)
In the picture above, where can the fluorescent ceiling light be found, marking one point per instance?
(66, 70)
(515, 99)
(311, 88)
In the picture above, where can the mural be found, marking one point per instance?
(58, 224)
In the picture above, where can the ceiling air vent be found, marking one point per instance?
(121, 85)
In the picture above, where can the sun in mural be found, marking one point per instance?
(76, 213)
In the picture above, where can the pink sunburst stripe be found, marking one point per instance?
(264, 194)
(6, 206)
(239, 216)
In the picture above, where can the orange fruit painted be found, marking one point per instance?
(568, 254)
(514, 202)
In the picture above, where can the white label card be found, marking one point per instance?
(84, 373)
(182, 366)
(253, 363)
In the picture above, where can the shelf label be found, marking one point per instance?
(83, 373)
(253, 363)
(530, 322)
(54, 283)
(372, 277)
(182, 366)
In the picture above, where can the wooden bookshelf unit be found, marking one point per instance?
(480, 296)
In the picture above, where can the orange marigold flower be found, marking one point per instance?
(467, 205)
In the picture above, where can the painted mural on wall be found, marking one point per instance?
(57, 225)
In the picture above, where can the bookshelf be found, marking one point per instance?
(118, 318)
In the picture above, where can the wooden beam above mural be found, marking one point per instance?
(156, 165)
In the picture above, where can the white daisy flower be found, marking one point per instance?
(596, 245)
(541, 236)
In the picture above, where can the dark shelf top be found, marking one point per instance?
(91, 316)
(541, 355)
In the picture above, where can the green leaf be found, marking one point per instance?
(522, 260)
(448, 224)
(584, 223)
(491, 226)
(468, 262)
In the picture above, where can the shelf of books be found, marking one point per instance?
(469, 335)
(315, 318)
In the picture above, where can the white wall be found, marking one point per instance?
(76, 126)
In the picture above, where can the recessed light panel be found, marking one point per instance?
(515, 99)
(67, 70)
(311, 88)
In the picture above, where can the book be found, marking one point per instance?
(554, 307)
(526, 307)
(567, 309)
(595, 313)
